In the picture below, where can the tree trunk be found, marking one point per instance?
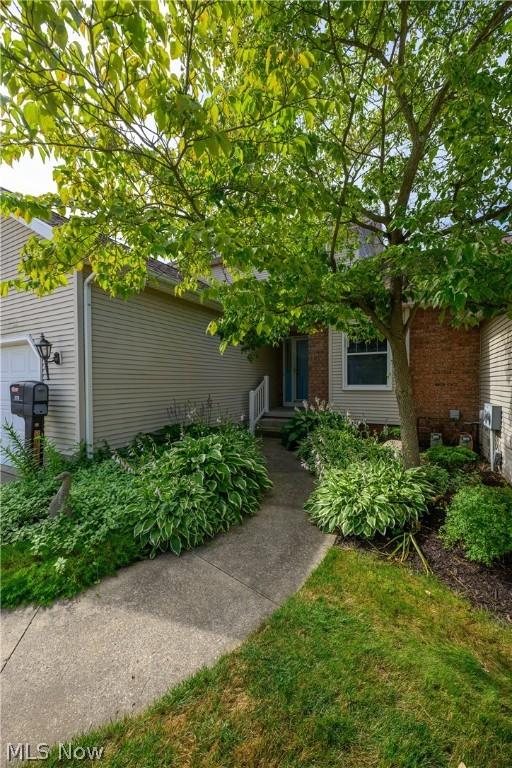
(403, 387)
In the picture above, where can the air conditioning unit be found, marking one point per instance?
(491, 417)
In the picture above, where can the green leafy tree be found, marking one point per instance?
(280, 136)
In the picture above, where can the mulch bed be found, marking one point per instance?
(487, 587)
(484, 586)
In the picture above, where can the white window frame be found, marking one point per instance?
(368, 387)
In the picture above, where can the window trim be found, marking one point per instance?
(366, 387)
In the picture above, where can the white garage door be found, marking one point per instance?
(18, 362)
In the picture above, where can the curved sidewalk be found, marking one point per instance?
(115, 648)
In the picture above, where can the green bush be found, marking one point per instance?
(41, 579)
(328, 446)
(200, 487)
(46, 558)
(368, 498)
(302, 423)
(155, 495)
(479, 518)
(390, 433)
(451, 458)
(437, 477)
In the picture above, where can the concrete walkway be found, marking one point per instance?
(118, 646)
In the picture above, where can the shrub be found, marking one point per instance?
(104, 499)
(451, 458)
(479, 518)
(302, 423)
(437, 477)
(200, 487)
(154, 495)
(46, 558)
(368, 498)
(22, 458)
(390, 433)
(338, 447)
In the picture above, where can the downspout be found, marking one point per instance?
(89, 423)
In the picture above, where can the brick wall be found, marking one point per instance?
(318, 364)
(445, 373)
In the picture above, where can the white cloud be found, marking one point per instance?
(30, 176)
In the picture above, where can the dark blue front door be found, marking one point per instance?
(295, 370)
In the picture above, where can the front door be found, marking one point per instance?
(295, 370)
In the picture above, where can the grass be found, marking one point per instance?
(369, 665)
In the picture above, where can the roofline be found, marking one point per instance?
(40, 227)
(43, 229)
(192, 296)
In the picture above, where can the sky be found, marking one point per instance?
(29, 175)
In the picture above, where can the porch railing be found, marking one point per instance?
(258, 403)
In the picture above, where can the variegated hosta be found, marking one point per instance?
(199, 487)
(368, 498)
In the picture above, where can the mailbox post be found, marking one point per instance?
(29, 399)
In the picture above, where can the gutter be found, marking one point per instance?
(89, 423)
(192, 296)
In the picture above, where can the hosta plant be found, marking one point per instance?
(368, 498)
(199, 487)
(438, 478)
(329, 446)
(304, 421)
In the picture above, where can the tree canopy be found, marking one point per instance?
(278, 136)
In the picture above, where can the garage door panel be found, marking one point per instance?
(18, 362)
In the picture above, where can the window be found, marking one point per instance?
(366, 365)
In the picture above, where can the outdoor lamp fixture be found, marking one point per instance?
(44, 349)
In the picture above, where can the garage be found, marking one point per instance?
(18, 362)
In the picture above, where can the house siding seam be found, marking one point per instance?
(444, 365)
(318, 365)
(152, 351)
(54, 315)
(496, 384)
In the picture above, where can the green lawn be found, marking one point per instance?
(369, 665)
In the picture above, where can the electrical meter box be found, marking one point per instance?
(436, 438)
(491, 417)
(29, 398)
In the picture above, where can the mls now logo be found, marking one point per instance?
(41, 752)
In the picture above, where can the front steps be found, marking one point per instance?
(272, 421)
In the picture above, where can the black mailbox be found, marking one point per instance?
(29, 398)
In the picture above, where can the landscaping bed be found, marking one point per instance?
(170, 493)
(486, 586)
(451, 516)
(369, 664)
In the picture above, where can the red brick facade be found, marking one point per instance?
(445, 373)
(444, 364)
(318, 364)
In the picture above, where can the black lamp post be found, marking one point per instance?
(44, 350)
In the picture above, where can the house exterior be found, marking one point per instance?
(496, 385)
(127, 366)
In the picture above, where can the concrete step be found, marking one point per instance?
(279, 413)
(270, 422)
(263, 431)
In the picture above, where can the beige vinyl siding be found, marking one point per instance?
(55, 316)
(376, 406)
(152, 350)
(496, 383)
